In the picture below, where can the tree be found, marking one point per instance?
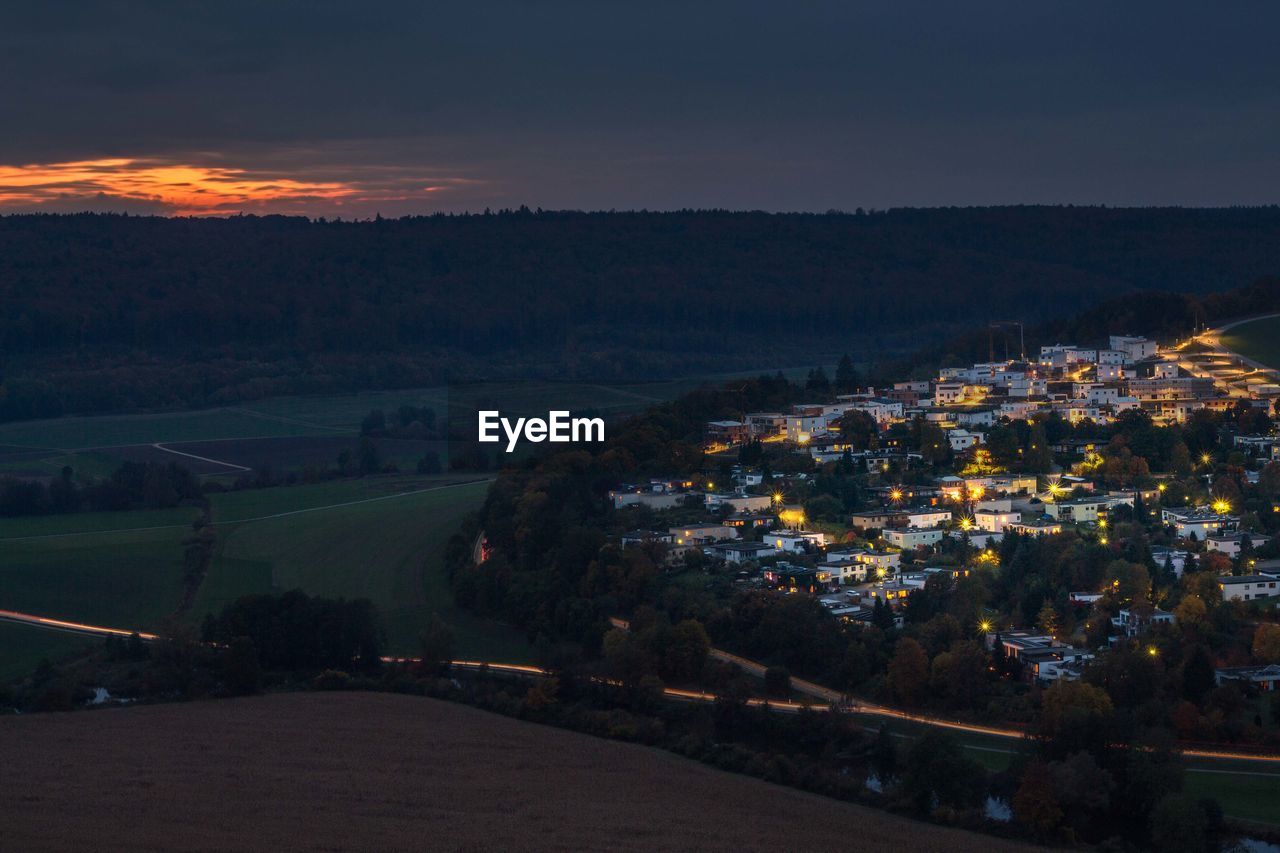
(777, 682)
(818, 381)
(1197, 674)
(1047, 619)
(847, 379)
(1191, 611)
(1179, 825)
(908, 673)
(860, 430)
(1035, 805)
(1266, 644)
(435, 645)
(937, 772)
(370, 458)
(240, 667)
(1038, 457)
(1072, 717)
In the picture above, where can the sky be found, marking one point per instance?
(344, 109)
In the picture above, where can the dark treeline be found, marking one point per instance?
(134, 485)
(113, 312)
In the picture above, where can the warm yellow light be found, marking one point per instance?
(895, 495)
(1221, 506)
(1102, 539)
(1161, 487)
(966, 524)
(1102, 524)
(1152, 651)
(777, 497)
(880, 572)
(985, 626)
(1206, 458)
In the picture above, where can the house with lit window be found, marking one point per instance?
(1231, 543)
(795, 541)
(995, 520)
(1200, 523)
(1262, 678)
(1134, 622)
(924, 517)
(909, 538)
(1036, 527)
(1248, 587)
(872, 519)
(742, 552)
(701, 534)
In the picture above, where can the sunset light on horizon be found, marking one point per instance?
(178, 188)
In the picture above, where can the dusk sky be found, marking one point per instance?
(343, 109)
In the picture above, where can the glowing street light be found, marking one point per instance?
(1222, 506)
(1205, 458)
(895, 495)
(984, 626)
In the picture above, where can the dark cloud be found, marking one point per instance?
(569, 103)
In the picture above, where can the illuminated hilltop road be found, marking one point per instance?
(834, 701)
(1231, 372)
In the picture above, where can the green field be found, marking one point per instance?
(124, 578)
(1256, 339)
(23, 647)
(1246, 791)
(376, 537)
(387, 549)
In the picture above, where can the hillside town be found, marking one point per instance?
(950, 473)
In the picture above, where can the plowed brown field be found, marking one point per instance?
(363, 771)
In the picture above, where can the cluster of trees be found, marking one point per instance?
(295, 631)
(134, 485)
(405, 422)
(192, 312)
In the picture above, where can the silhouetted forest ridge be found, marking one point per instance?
(105, 312)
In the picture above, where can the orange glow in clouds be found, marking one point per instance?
(181, 189)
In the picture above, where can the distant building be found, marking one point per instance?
(1264, 678)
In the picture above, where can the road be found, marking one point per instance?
(833, 700)
(1233, 379)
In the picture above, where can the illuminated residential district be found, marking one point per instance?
(951, 469)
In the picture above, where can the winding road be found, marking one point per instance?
(833, 700)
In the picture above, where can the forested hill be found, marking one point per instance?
(115, 310)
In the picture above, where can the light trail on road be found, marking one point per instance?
(839, 704)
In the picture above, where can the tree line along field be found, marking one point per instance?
(1256, 339)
